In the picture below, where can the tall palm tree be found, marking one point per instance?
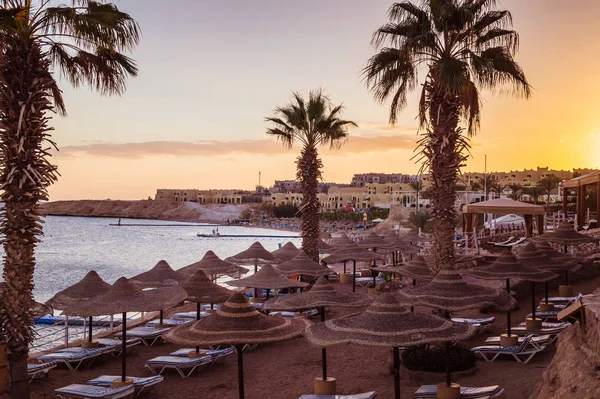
(516, 191)
(311, 123)
(466, 46)
(549, 184)
(83, 42)
(417, 185)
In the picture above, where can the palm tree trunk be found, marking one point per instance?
(442, 148)
(308, 174)
(25, 174)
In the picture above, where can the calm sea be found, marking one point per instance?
(72, 246)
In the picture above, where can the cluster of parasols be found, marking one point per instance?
(389, 320)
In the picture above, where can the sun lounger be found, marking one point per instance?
(302, 315)
(189, 315)
(522, 352)
(474, 322)
(552, 331)
(91, 391)
(367, 395)
(117, 345)
(364, 281)
(39, 370)
(140, 384)
(565, 299)
(179, 364)
(511, 244)
(171, 322)
(73, 358)
(537, 339)
(430, 391)
(216, 354)
(510, 239)
(548, 324)
(148, 335)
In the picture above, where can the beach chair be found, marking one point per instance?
(91, 391)
(474, 322)
(140, 384)
(171, 322)
(367, 395)
(365, 281)
(39, 370)
(299, 315)
(216, 354)
(117, 345)
(510, 239)
(489, 392)
(148, 335)
(536, 339)
(159, 364)
(190, 315)
(512, 244)
(552, 331)
(522, 353)
(565, 299)
(73, 358)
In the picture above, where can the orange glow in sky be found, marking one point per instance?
(194, 118)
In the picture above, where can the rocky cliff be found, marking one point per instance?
(182, 211)
(575, 368)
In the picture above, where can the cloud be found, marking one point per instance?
(354, 145)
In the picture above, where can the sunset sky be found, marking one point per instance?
(210, 71)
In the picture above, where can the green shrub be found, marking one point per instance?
(419, 358)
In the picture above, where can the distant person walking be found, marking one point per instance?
(119, 222)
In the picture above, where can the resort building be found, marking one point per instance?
(362, 179)
(200, 196)
(526, 177)
(293, 186)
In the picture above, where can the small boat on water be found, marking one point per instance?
(215, 233)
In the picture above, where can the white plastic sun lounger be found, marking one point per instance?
(512, 244)
(549, 324)
(148, 335)
(73, 358)
(159, 364)
(140, 384)
(564, 299)
(552, 331)
(430, 391)
(537, 339)
(367, 395)
(116, 344)
(301, 315)
(215, 354)
(39, 370)
(510, 239)
(189, 315)
(91, 391)
(474, 322)
(170, 322)
(364, 281)
(522, 353)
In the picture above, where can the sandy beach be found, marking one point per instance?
(287, 369)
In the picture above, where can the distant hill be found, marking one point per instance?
(145, 209)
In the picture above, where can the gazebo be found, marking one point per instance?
(504, 206)
(580, 185)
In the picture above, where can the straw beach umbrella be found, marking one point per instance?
(255, 255)
(302, 265)
(354, 253)
(237, 323)
(161, 275)
(213, 266)
(269, 278)
(124, 297)
(89, 287)
(321, 295)
(287, 252)
(323, 247)
(386, 323)
(566, 235)
(505, 267)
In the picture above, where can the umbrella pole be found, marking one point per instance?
(396, 373)
(124, 347)
(353, 276)
(546, 291)
(161, 316)
(566, 277)
(412, 308)
(268, 292)
(198, 311)
(255, 289)
(344, 267)
(90, 331)
(508, 322)
(533, 300)
(323, 350)
(448, 371)
(240, 370)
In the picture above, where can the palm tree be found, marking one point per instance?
(84, 43)
(516, 191)
(489, 182)
(548, 185)
(534, 192)
(475, 186)
(466, 46)
(312, 123)
(417, 185)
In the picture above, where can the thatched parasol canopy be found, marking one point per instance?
(341, 241)
(214, 267)
(255, 255)
(417, 269)
(236, 322)
(372, 240)
(267, 277)
(507, 266)
(321, 294)
(124, 296)
(565, 234)
(89, 287)
(287, 252)
(448, 291)
(387, 323)
(201, 290)
(414, 237)
(161, 275)
(352, 252)
(561, 260)
(302, 265)
(324, 247)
